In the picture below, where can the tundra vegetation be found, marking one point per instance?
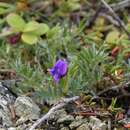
(55, 49)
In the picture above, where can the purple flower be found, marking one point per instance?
(14, 38)
(59, 70)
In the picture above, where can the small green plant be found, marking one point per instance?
(6, 8)
(113, 107)
(71, 5)
(30, 31)
(90, 61)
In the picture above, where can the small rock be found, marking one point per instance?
(5, 99)
(65, 119)
(57, 114)
(124, 121)
(12, 128)
(21, 120)
(5, 117)
(79, 117)
(25, 107)
(24, 126)
(64, 128)
(75, 124)
(97, 124)
(84, 127)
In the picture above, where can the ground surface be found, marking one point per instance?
(56, 49)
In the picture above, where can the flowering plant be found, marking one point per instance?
(59, 70)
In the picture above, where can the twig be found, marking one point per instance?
(52, 110)
(123, 95)
(121, 23)
(12, 111)
(109, 124)
(120, 5)
(117, 87)
(101, 98)
(93, 18)
(109, 18)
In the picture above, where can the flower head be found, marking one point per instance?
(14, 39)
(59, 70)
